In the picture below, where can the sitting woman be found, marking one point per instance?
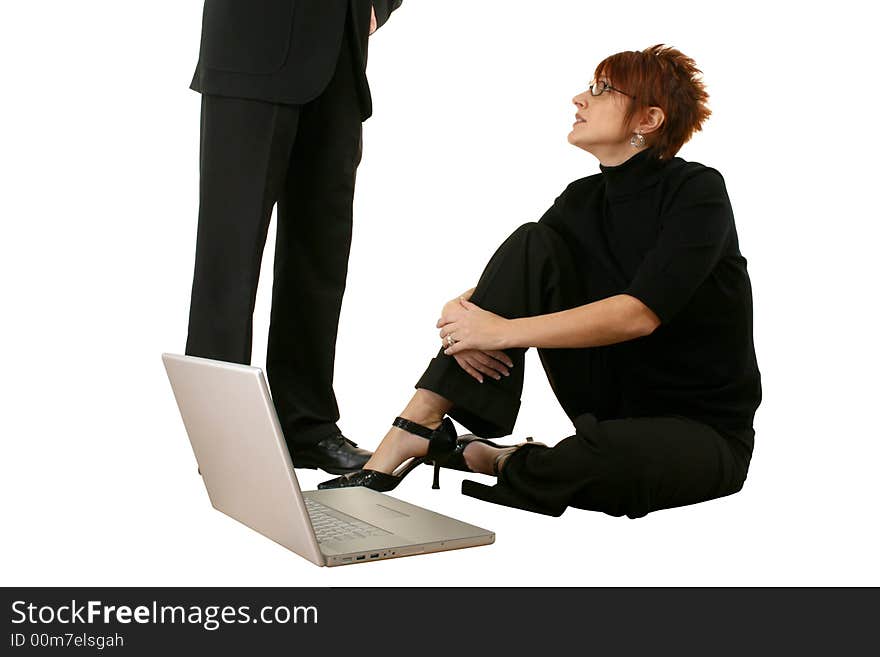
(633, 289)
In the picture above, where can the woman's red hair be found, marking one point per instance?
(661, 76)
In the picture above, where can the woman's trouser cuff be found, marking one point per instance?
(486, 409)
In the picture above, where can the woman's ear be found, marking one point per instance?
(652, 119)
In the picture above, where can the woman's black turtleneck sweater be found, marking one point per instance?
(663, 232)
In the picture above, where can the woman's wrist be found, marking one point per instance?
(516, 334)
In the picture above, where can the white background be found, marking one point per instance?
(99, 170)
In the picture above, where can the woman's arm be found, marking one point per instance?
(608, 321)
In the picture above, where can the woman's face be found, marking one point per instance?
(599, 122)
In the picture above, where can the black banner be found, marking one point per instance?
(409, 620)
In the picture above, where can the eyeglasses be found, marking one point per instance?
(600, 87)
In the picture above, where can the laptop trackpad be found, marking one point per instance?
(384, 512)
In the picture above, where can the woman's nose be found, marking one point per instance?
(580, 100)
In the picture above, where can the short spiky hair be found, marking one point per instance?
(661, 76)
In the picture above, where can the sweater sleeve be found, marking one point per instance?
(383, 10)
(694, 231)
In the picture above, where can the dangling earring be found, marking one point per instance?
(637, 140)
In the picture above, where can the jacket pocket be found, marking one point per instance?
(246, 36)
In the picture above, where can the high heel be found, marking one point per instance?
(441, 443)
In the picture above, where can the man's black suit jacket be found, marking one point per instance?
(283, 51)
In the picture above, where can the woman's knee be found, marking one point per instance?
(533, 231)
(520, 238)
(525, 228)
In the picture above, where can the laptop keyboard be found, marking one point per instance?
(332, 525)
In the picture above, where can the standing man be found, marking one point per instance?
(284, 94)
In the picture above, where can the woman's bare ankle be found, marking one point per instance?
(426, 408)
(484, 459)
(478, 457)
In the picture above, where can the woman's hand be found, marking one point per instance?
(490, 363)
(473, 361)
(453, 304)
(465, 326)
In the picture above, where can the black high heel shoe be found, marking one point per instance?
(441, 444)
(456, 459)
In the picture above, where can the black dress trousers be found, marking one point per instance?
(253, 155)
(618, 465)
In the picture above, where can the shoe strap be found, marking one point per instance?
(496, 469)
(413, 427)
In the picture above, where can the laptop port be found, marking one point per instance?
(361, 558)
(374, 556)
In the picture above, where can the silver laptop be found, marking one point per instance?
(243, 458)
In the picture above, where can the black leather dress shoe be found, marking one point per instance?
(336, 455)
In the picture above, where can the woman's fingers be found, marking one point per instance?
(489, 365)
(500, 355)
(447, 330)
(457, 348)
(473, 359)
(451, 306)
(478, 364)
(467, 367)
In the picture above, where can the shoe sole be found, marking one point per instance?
(336, 471)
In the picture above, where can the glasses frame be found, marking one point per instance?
(604, 86)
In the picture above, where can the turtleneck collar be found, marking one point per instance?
(633, 175)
